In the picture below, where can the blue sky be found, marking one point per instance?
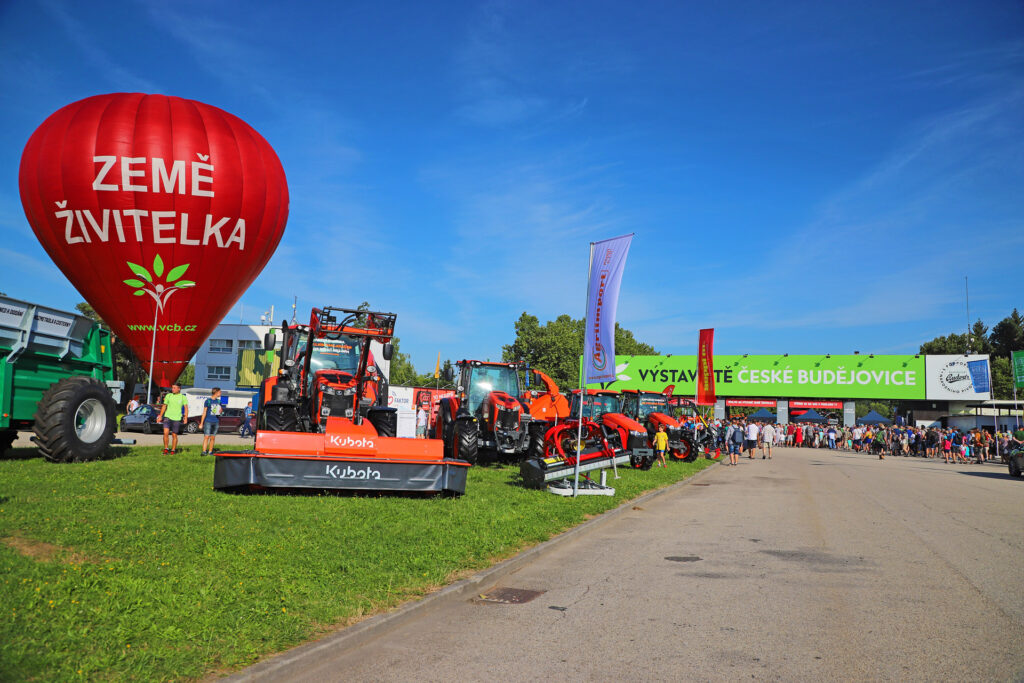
(803, 176)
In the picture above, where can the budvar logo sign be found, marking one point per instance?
(345, 441)
(349, 472)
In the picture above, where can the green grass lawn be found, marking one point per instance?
(135, 568)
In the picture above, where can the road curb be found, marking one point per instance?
(357, 634)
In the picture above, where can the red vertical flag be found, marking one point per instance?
(706, 369)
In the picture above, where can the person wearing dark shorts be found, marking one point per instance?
(210, 421)
(173, 412)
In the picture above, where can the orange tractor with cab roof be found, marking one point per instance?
(485, 420)
(321, 423)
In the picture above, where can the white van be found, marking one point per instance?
(236, 399)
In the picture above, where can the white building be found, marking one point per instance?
(216, 360)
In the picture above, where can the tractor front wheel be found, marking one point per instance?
(74, 421)
(465, 442)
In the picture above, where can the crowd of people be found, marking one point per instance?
(739, 436)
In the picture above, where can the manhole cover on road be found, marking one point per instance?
(509, 596)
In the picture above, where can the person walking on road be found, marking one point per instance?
(173, 412)
(751, 444)
(660, 445)
(209, 422)
(734, 439)
(246, 429)
(767, 440)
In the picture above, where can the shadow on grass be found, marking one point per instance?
(32, 453)
(333, 493)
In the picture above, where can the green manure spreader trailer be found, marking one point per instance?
(56, 379)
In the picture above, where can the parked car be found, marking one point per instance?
(143, 419)
(230, 421)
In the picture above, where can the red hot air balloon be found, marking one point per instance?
(157, 209)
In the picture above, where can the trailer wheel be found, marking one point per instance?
(74, 421)
(465, 441)
(7, 438)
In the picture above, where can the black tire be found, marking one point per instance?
(74, 421)
(536, 447)
(384, 420)
(281, 417)
(147, 427)
(191, 427)
(688, 453)
(120, 427)
(7, 438)
(465, 445)
(1014, 465)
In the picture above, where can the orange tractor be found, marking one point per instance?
(652, 410)
(321, 424)
(485, 420)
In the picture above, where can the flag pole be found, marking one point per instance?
(152, 355)
(579, 426)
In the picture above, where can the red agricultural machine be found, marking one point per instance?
(606, 438)
(651, 410)
(320, 423)
(485, 420)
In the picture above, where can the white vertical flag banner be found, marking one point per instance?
(607, 261)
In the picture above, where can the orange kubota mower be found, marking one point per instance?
(320, 423)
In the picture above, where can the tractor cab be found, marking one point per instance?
(486, 414)
(596, 404)
(328, 370)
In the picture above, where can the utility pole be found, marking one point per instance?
(967, 301)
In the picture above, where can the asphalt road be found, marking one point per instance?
(811, 566)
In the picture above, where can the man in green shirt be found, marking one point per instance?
(173, 412)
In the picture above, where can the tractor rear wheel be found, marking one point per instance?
(465, 444)
(7, 438)
(74, 421)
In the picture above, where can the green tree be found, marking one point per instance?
(979, 341)
(555, 347)
(883, 408)
(188, 375)
(950, 344)
(1008, 335)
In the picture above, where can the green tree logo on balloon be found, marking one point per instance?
(160, 291)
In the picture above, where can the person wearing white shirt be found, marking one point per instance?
(767, 440)
(751, 443)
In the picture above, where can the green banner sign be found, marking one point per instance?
(837, 377)
(1018, 369)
